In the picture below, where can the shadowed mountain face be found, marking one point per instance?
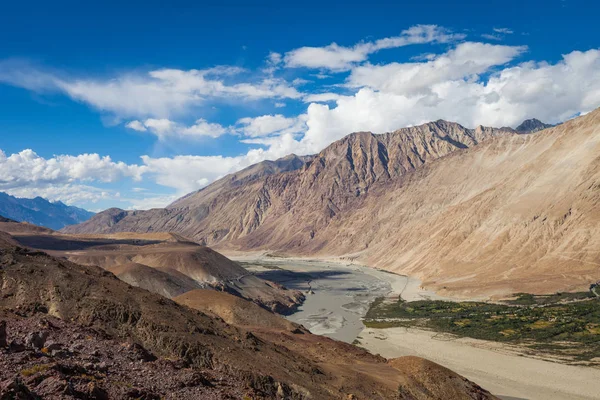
(72, 331)
(474, 212)
(532, 125)
(41, 212)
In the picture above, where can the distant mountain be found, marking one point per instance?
(39, 211)
(532, 125)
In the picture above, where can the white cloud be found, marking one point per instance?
(151, 201)
(68, 194)
(204, 128)
(161, 127)
(322, 97)
(491, 36)
(26, 174)
(157, 93)
(339, 58)
(453, 90)
(136, 126)
(267, 125)
(164, 128)
(506, 31)
(27, 168)
(464, 61)
(188, 173)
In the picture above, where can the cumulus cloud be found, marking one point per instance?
(452, 89)
(164, 128)
(27, 168)
(188, 173)
(466, 60)
(339, 58)
(64, 177)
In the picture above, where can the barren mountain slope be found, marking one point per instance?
(232, 208)
(166, 264)
(234, 310)
(38, 289)
(164, 281)
(475, 212)
(518, 213)
(184, 215)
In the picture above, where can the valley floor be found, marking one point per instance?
(493, 366)
(339, 296)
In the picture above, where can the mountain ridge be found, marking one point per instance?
(366, 196)
(41, 212)
(420, 145)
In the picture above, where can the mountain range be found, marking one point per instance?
(474, 212)
(41, 212)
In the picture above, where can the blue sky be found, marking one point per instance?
(132, 104)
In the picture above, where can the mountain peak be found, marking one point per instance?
(532, 125)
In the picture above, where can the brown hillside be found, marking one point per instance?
(233, 310)
(88, 297)
(166, 282)
(164, 263)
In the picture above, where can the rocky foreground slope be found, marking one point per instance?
(71, 331)
(482, 212)
(163, 263)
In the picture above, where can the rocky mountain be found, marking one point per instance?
(532, 125)
(475, 212)
(70, 331)
(39, 211)
(238, 204)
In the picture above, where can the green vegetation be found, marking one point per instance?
(564, 323)
(527, 299)
(35, 369)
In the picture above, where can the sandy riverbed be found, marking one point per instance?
(503, 373)
(343, 292)
(337, 296)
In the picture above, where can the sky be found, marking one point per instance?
(133, 104)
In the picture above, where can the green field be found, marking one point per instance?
(565, 324)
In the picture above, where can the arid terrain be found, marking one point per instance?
(76, 331)
(484, 212)
(163, 263)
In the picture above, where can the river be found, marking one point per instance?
(337, 295)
